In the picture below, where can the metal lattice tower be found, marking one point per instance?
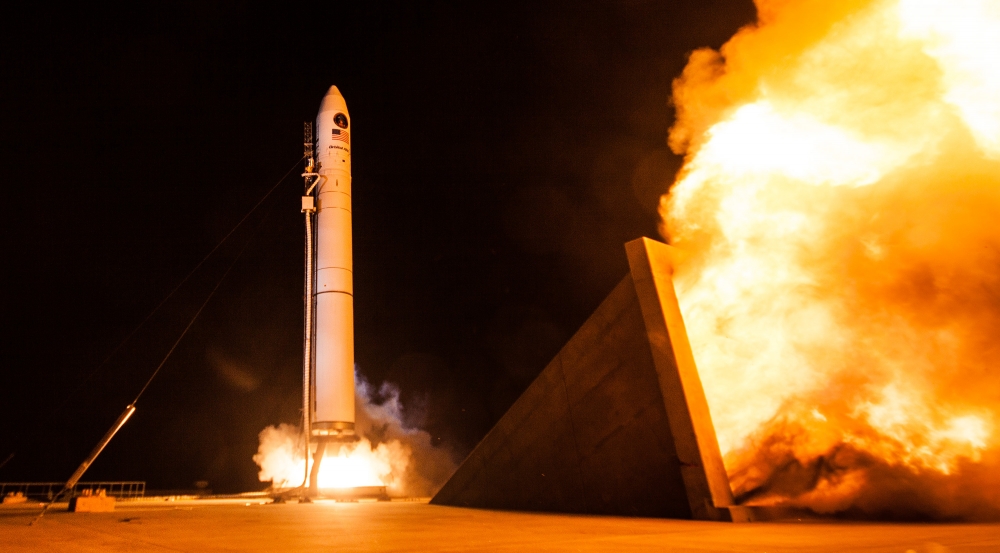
(308, 147)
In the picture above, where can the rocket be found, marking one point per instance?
(332, 409)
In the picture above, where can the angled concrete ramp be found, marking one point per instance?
(616, 424)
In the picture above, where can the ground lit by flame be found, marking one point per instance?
(839, 203)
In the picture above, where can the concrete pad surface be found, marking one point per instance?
(245, 525)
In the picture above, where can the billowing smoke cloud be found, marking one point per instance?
(429, 466)
(389, 452)
(839, 201)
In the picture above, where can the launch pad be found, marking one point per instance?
(357, 493)
(255, 525)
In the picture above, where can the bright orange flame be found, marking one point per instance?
(352, 465)
(361, 465)
(839, 200)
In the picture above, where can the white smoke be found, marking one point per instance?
(429, 466)
(279, 456)
(389, 452)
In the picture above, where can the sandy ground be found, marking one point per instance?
(253, 525)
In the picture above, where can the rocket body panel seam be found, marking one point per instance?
(346, 293)
(320, 211)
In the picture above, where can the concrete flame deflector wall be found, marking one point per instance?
(616, 424)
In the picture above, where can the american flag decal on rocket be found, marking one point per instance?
(342, 136)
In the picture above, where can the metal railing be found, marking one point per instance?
(47, 491)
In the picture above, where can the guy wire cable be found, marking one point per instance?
(189, 275)
(130, 409)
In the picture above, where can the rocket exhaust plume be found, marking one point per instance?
(839, 204)
(389, 453)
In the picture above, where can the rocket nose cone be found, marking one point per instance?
(333, 101)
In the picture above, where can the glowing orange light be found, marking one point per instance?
(349, 465)
(839, 201)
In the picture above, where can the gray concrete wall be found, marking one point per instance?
(616, 424)
(590, 435)
(705, 478)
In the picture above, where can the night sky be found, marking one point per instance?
(502, 154)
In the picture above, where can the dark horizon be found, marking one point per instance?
(502, 156)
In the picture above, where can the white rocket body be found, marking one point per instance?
(334, 340)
